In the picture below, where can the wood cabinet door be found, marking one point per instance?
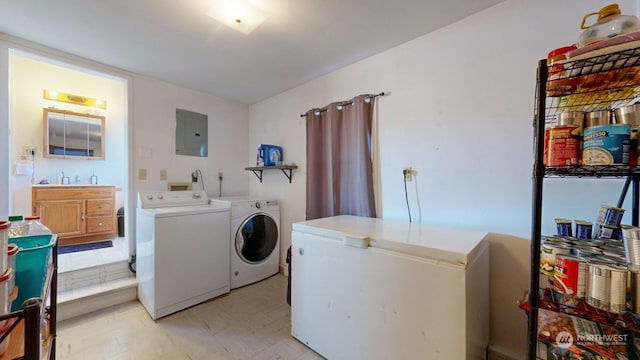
(63, 217)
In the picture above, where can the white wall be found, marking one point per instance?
(154, 113)
(460, 113)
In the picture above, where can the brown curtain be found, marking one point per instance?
(339, 163)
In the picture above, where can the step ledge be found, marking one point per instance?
(80, 269)
(87, 292)
(96, 297)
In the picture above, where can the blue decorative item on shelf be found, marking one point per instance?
(270, 155)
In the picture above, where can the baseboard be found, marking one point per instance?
(284, 269)
(495, 354)
(92, 298)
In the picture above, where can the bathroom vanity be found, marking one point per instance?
(76, 213)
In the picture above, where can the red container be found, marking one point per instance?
(570, 275)
(562, 146)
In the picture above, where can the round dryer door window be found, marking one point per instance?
(256, 238)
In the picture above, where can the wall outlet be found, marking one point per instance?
(142, 174)
(408, 174)
(163, 174)
(29, 150)
(220, 176)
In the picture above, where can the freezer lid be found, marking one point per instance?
(440, 243)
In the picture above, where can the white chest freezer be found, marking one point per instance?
(365, 288)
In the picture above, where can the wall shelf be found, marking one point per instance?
(286, 170)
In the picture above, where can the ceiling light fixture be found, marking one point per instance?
(239, 15)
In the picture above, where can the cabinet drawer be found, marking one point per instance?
(99, 207)
(102, 224)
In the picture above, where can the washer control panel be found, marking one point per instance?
(149, 200)
(261, 204)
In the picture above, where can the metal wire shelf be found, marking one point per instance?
(605, 81)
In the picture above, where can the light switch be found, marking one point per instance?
(163, 174)
(142, 174)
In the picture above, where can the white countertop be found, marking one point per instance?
(458, 246)
(67, 185)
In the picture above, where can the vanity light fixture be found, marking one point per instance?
(240, 15)
(74, 99)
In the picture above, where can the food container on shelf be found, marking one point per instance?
(18, 226)
(597, 118)
(4, 241)
(610, 23)
(559, 82)
(12, 251)
(5, 290)
(575, 118)
(35, 226)
(628, 115)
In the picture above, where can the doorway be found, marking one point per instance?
(30, 77)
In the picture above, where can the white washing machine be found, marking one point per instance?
(255, 239)
(182, 250)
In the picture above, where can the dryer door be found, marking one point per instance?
(256, 238)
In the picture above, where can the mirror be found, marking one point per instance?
(70, 135)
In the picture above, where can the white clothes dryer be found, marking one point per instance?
(255, 239)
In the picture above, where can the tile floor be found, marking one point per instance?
(252, 322)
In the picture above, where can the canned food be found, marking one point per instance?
(575, 118)
(631, 242)
(562, 145)
(618, 289)
(583, 229)
(570, 275)
(597, 118)
(598, 286)
(630, 115)
(606, 145)
(563, 227)
(586, 251)
(608, 232)
(594, 242)
(635, 292)
(613, 259)
(548, 254)
(610, 215)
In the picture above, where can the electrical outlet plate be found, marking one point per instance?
(28, 150)
(408, 174)
(142, 174)
(220, 175)
(163, 174)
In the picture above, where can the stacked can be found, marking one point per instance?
(630, 115)
(631, 241)
(583, 228)
(563, 142)
(591, 269)
(604, 141)
(608, 222)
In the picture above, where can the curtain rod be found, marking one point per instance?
(347, 103)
